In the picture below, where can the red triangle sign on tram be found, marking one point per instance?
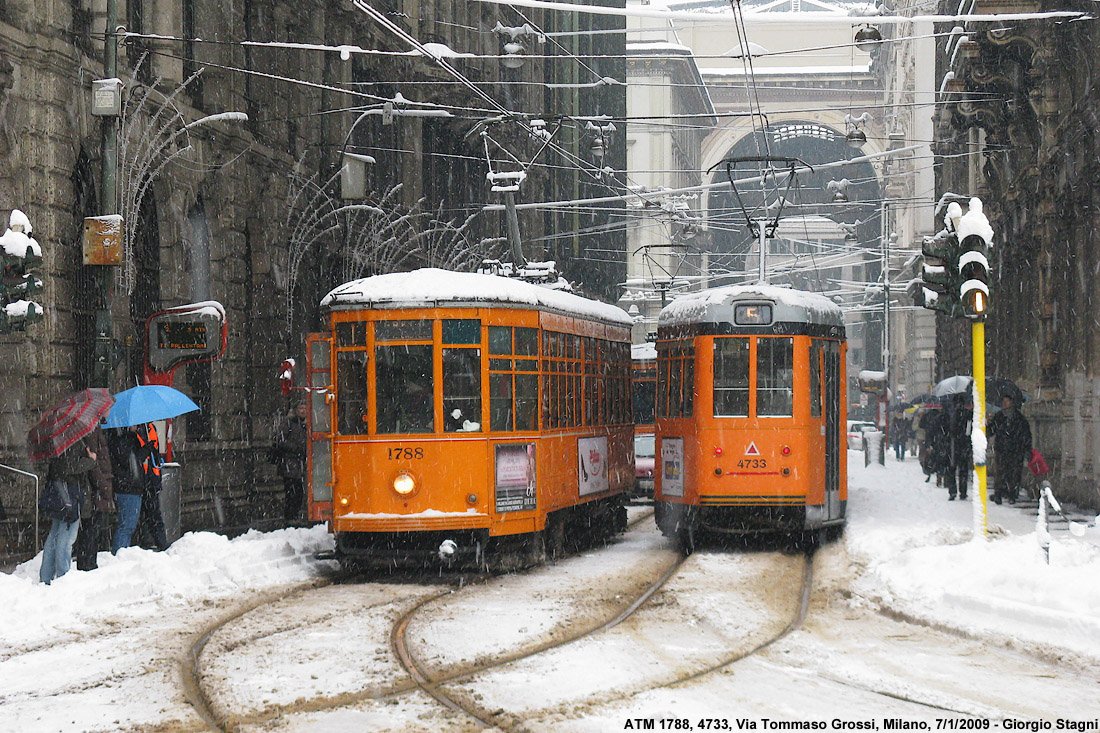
(752, 450)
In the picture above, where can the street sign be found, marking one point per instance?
(183, 335)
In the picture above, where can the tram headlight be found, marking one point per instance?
(404, 484)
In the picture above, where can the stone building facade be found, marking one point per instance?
(230, 220)
(1018, 113)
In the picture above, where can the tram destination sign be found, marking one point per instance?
(182, 335)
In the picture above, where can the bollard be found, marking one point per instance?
(171, 484)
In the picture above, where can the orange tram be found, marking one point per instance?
(476, 419)
(750, 414)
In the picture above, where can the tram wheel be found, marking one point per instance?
(685, 537)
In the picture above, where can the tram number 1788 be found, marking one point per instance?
(406, 453)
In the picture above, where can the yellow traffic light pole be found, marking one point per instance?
(977, 334)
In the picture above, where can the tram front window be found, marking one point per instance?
(731, 377)
(351, 401)
(775, 377)
(462, 390)
(645, 394)
(403, 388)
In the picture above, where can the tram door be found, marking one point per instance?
(319, 468)
(832, 429)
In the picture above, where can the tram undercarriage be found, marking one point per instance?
(567, 530)
(683, 522)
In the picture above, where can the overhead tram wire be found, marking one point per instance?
(340, 90)
(508, 115)
(971, 96)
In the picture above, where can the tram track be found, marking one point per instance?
(441, 685)
(191, 674)
(432, 685)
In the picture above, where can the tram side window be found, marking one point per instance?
(687, 350)
(513, 382)
(775, 377)
(403, 388)
(815, 378)
(731, 377)
(351, 395)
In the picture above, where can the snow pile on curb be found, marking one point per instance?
(199, 566)
(921, 560)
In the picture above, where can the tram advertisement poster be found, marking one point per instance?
(672, 466)
(515, 477)
(592, 469)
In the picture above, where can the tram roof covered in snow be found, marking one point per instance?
(431, 287)
(717, 305)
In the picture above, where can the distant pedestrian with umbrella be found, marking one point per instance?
(58, 439)
(136, 460)
(958, 419)
(1010, 436)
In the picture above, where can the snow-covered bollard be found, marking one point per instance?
(1046, 497)
(1041, 532)
(874, 447)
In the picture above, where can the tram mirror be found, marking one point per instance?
(753, 314)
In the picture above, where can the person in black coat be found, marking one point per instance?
(1011, 438)
(960, 452)
(937, 444)
(289, 453)
(128, 454)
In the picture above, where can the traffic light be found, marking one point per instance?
(975, 238)
(18, 254)
(938, 286)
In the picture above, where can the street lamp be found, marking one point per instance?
(867, 37)
(856, 137)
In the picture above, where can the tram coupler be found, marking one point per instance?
(447, 551)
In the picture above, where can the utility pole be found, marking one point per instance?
(101, 369)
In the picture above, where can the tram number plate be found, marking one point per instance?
(752, 463)
(408, 454)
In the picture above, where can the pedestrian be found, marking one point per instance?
(289, 454)
(70, 470)
(937, 444)
(960, 463)
(899, 435)
(150, 528)
(1010, 436)
(127, 456)
(97, 506)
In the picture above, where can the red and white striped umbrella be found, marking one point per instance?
(67, 422)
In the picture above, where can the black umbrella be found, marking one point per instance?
(997, 388)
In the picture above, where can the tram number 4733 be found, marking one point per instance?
(752, 463)
(406, 453)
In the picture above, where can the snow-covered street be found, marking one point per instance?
(908, 618)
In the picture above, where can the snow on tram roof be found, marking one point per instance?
(714, 305)
(431, 286)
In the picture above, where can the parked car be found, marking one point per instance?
(856, 429)
(644, 464)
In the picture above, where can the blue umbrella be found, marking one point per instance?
(139, 405)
